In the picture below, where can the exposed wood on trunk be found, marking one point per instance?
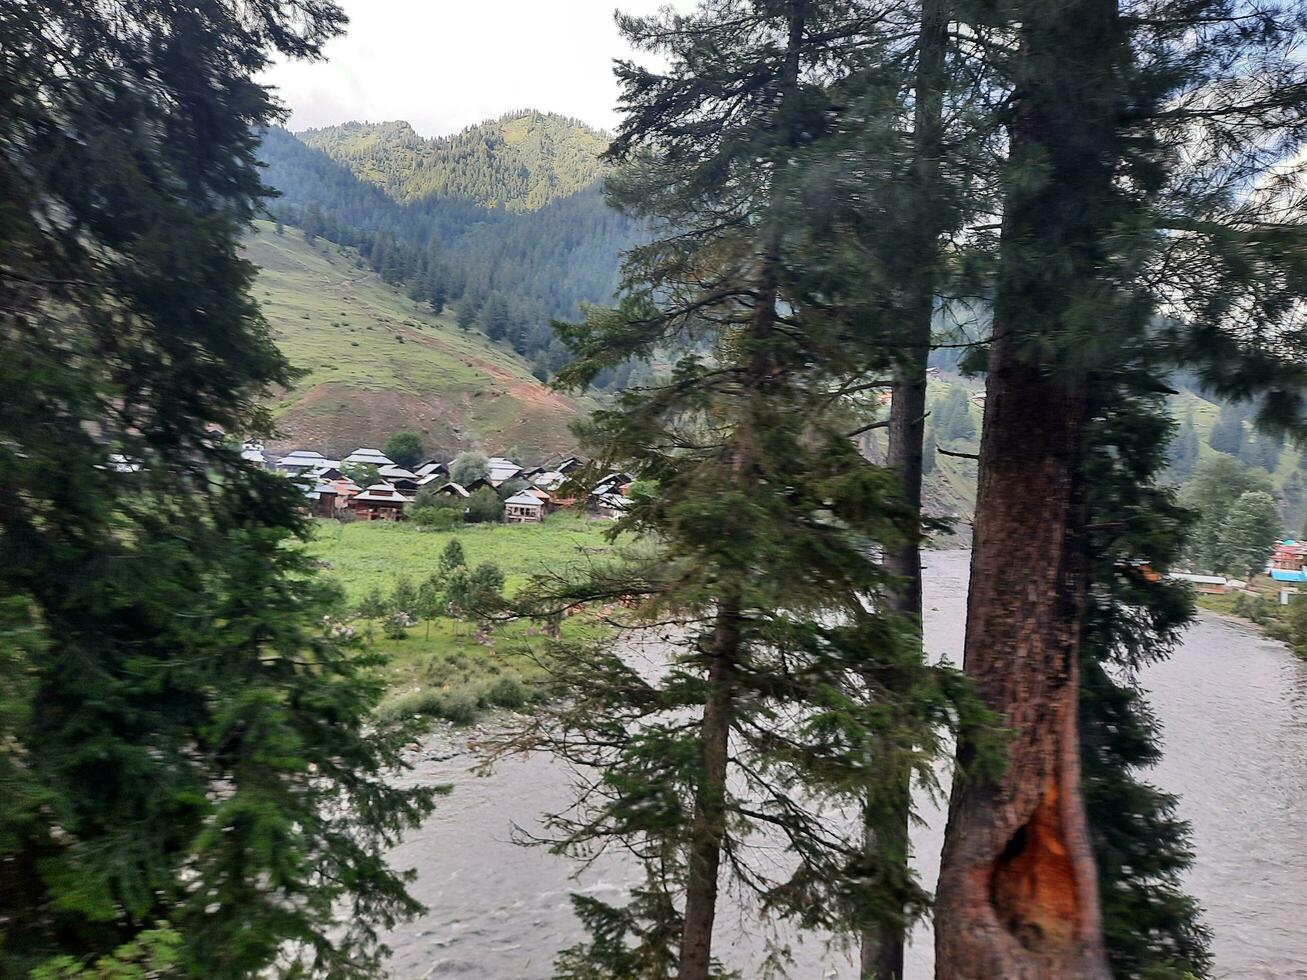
(1018, 889)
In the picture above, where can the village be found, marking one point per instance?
(367, 485)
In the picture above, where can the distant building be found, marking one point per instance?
(379, 502)
(369, 457)
(1208, 584)
(502, 470)
(523, 508)
(432, 468)
(1289, 562)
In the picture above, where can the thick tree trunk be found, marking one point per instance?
(709, 824)
(886, 827)
(1018, 888)
(1018, 896)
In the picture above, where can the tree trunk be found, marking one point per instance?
(1018, 888)
(886, 827)
(1018, 897)
(709, 825)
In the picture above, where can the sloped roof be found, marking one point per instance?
(375, 457)
(524, 500)
(393, 472)
(502, 469)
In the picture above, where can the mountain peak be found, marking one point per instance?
(520, 161)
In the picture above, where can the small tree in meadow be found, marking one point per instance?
(452, 557)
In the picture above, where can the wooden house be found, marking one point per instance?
(523, 508)
(432, 468)
(379, 502)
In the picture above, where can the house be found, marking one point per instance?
(325, 500)
(609, 505)
(452, 489)
(531, 472)
(502, 470)
(1288, 562)
(369, 457)
(523, 508)
(613, 483)
(1206, 584)
(481, 483)
(252, 452)
(379, 502)
(304, 461)
(405, 481)
(548, 480)
(569, 463)
(431, 468)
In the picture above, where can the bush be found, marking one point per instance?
(396, 625)
(484, 507)
(436, 518)
(459, 706)
(507, 692)
(468, 467)
(373, 606)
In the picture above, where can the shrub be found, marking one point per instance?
(372, 606)
(396, 625)
(484, 507)
(458, 706)
(507, 692)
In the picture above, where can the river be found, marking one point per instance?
(1234, 710)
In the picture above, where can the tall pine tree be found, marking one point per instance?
(184, 760)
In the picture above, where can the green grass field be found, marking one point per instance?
(448, 669)
(377, 363)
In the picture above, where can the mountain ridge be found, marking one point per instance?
(518, 162)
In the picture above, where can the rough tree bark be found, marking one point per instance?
(886, 825)
(1018, 892)
(709, 826)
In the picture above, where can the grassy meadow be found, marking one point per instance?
(449, 669)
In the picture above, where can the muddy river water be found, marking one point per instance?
(1234, 710)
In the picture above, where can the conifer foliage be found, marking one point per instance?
(775, 717)
(184, 767)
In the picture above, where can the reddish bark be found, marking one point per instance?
(1018, 893)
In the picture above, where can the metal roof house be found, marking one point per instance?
(502, 470)
(523, 508)
(1288, 561)
(369, 457)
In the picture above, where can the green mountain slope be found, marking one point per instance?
(518, 162)
(378, 363)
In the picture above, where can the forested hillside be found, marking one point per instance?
(505, 272)
(377, 363)
(518, 162)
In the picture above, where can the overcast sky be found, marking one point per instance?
(445, 64)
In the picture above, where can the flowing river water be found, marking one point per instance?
(1233, 707)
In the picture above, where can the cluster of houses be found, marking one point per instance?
(331, 491)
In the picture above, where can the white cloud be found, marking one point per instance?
(446, 64)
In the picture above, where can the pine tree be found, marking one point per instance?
(185, 760)
(1228, 432)
(802, 691)
(1172, 95)
(1134, 616)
